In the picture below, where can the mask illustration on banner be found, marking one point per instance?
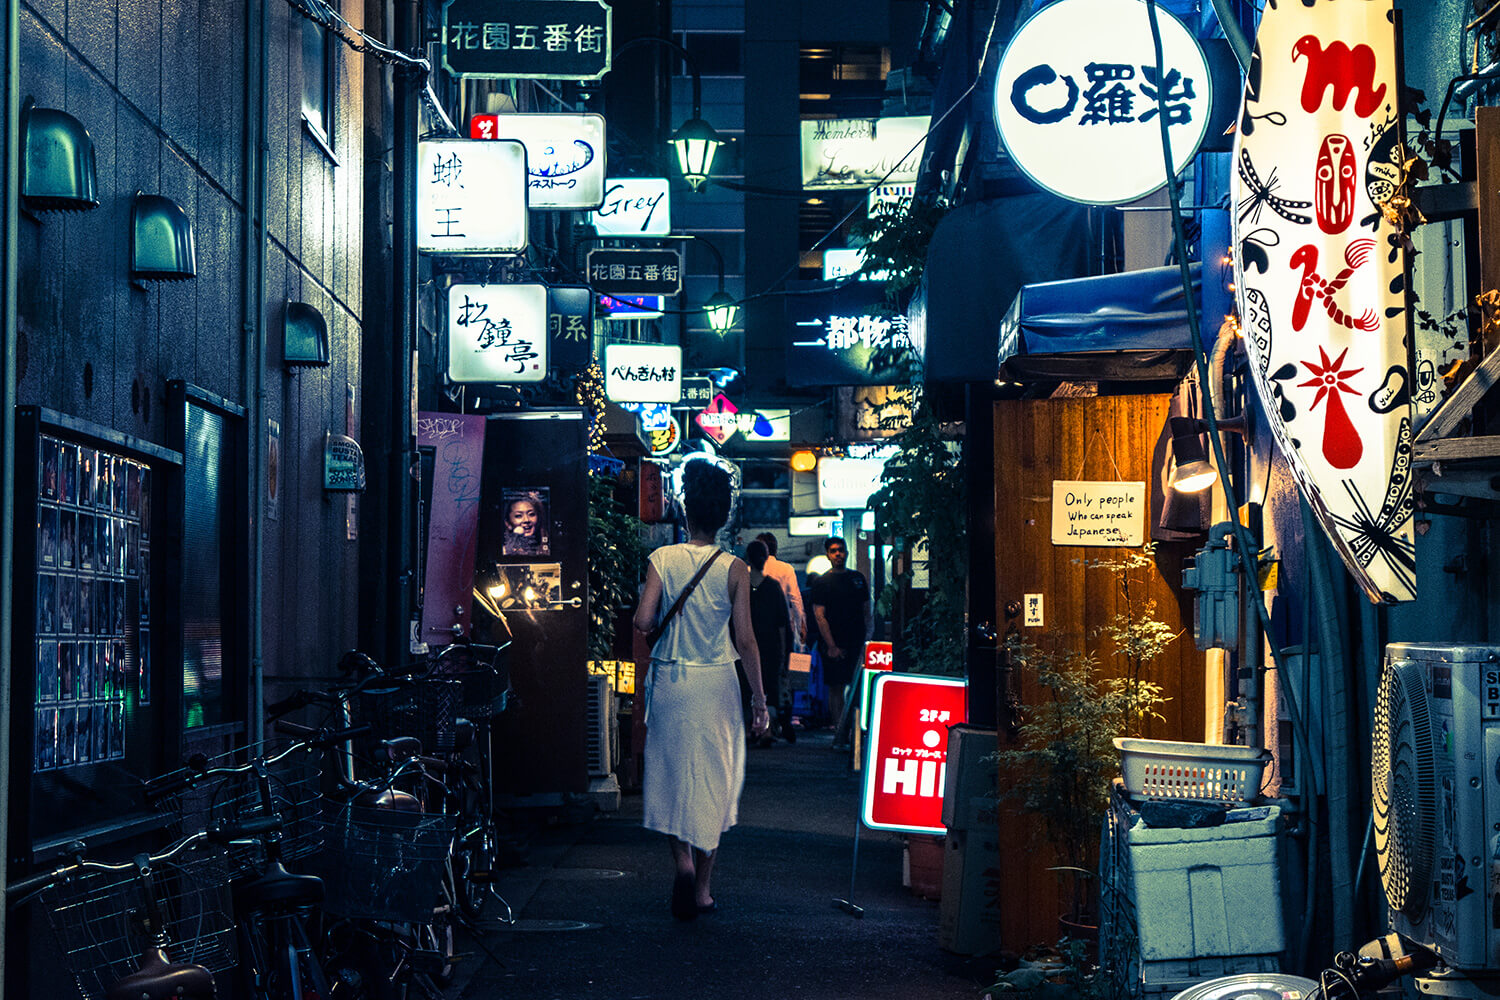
(1320, 278)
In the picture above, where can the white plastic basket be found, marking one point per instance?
(1191, 772)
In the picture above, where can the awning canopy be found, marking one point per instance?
(1126, 327)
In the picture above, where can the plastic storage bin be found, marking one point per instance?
(1191, 772)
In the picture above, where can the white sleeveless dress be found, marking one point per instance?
(695, 731)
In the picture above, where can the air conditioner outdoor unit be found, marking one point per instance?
(1436, 771)
(601, 726)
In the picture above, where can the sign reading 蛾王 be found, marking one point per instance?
(538, 39)
(1098, 513)
(471, 197)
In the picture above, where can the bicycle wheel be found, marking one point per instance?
(474, 868)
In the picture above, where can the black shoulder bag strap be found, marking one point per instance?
(661, 626)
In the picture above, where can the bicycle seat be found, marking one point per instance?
(159, 979)
(391, 798)
(279, 888)
(402, 748)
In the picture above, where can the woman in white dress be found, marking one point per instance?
(695, 732)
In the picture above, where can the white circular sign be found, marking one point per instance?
(1076, 99)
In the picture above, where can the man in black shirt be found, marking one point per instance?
(845, 621)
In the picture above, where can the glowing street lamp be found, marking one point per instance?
(696, 141)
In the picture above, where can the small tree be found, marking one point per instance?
(617, 560)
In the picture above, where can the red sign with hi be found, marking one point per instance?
(907, 753)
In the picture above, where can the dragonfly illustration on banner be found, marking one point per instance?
(1320, 277)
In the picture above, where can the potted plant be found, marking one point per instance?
(1064, 761)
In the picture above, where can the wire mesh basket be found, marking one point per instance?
(383, 864)
(422, 707)
(482, 684)
(100, 918)
(291, 789)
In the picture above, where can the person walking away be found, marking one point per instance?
(783, 574)
(773, 631)
(845, 619)
(694, 765)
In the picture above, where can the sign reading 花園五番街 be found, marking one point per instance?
(635, 272)
(1076, 99)
(1098, 513)
(537, 39)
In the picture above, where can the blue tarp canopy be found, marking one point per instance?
(1126, 327)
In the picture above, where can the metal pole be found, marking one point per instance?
(9, 238)
(253, 264)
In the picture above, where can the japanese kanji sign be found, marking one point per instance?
(635, 206)
(570, 327)
(636, 272)
(471, 197)
(907, 753)
(564, 156)
(697, 391)
(860, 152)
(538, 39)
(846, 336)
(497, 333)
(642, 373)
(1076, 99)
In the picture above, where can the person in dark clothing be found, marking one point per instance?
(771, 621)
(845, 620)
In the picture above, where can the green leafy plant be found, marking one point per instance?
(922, 503)
(617, 561)
(1064, 761)
(895, 240)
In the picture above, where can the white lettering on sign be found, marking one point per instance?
(1098, 513)
(922, 778)
(635, 206)
(880, 658)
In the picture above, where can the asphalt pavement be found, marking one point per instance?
(590, 900)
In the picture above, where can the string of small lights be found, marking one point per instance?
(589, 391)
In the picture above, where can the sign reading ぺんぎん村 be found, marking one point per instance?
(1320, 274)
(1098, 513)
(907, 752)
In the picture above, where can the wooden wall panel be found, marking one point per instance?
(1037, 442)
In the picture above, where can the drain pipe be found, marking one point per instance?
(254, 338)
(9, 240)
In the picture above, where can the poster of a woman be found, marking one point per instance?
(526, 523)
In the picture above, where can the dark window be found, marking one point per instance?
(319, 66)
(717, 53)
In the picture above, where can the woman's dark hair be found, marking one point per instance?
(755, 554)
(769, 539)
(705, 495)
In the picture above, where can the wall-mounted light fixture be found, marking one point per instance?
(1191, 471)
(161, 240)
(304, 337)
(58, 173)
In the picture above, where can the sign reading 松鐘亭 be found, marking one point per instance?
(1098, 513)
(861, 152)
(536, 39)
(497, 333)
(471, 197)
(642, 373)
(1076, 99)
(564, 156)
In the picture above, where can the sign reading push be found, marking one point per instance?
(636, 272)
(907, 753)
(540, 39)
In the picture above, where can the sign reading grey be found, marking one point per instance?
(539, 39)
(570, 327)
(845, 336)
(697, 391)
(636, 272)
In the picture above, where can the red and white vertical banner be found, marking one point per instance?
(907, 753)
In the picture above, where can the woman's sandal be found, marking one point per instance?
(684, 904)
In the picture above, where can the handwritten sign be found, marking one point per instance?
(1094, 513)
(497, 333)
(635, 206)
(471, 197)
(861, 152)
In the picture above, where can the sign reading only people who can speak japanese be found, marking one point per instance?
(1098, 513)
(1076, 99)
(539, 39)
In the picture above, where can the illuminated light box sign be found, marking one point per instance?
(570, 327)
(906, 756)
(721, 420)
(1076, 99)
(635, 272)
(845, 483)
(871, 412)
(845, 336)
(642, 373)
(860, 152)
(564, 156)
(630, 306)
(471, 197)
(497, 333)
(659, 441)
(635, 206)
(846, 263)
(697, 391)
(536, 39)
(814, 525)
(879, 657)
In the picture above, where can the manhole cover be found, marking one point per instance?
(584, 874)
(537, 926)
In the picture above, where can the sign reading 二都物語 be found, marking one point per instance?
(1098, 513)
(1076, 99)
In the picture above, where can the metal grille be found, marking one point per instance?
(1403, 767)
(424, 708)
(383, 864)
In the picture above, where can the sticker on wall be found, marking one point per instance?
(528, 587)
(1320, 275)
(526, 526)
